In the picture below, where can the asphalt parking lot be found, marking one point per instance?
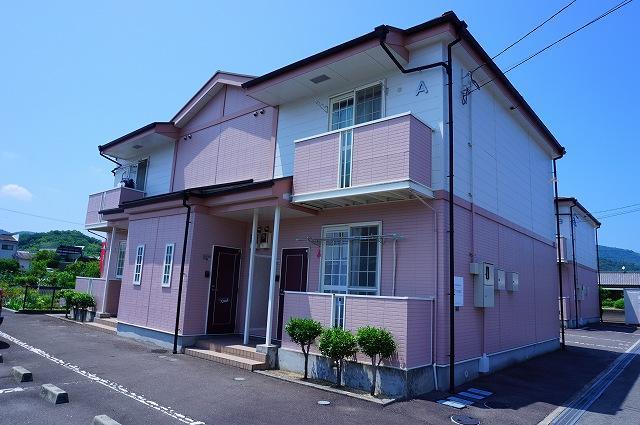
(136, 383)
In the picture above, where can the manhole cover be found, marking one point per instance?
(496, 405)
(324, 403)
(158, 351)
(464, 420)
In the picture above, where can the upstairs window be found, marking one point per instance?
(358, 106)
(134, 175)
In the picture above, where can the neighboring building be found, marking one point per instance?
(579, 262)
(337, 164)
(8, 245)
(69, 254)
(24, 259)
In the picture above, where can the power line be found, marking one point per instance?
(619, 208)
(528, 58)
(42, 216)
(619, 213)
(527, 34)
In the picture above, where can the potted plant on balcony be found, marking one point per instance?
(338, 344)
(378, 344)
(303, 331)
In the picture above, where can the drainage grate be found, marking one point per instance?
(464, 420)
(159, 351)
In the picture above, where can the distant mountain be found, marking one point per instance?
(612, 259)
(30, 241)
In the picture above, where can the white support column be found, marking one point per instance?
(272, 273)
(106, 274)
(252, 255)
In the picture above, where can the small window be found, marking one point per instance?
(168, 264)
(122, 249)
(137, 270)
(7, 247)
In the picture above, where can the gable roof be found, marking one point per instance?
(5, 237)
(448, 18)
(574, 201)
(206, 92)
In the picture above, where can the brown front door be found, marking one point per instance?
(293, 277)
(223, 293)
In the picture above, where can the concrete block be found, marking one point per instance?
(21, 374)
(53, 394)
(103, 420)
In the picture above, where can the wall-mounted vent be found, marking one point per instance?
(319, 79)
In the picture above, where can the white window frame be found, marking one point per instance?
(352, 93)
(121, 255)
(348, 226)
(138, 265)
(166, 275)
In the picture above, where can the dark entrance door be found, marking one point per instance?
(293, 277)
(223, 293)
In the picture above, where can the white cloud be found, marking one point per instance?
(15, 191)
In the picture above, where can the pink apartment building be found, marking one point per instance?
(321, 190)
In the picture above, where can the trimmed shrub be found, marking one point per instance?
(303, 332)
(618, 304)
(83, 301)
(337, 344)
(378, 344)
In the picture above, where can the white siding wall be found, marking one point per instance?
(585, 236)
(160, 161)
(501, 164)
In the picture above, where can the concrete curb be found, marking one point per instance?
(53, 394)
(383, 402)
(21, 374)
(103, 420)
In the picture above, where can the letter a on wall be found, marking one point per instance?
(422, 88)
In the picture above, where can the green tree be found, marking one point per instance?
(337, 344)
(303, 332)
(84, 268)
(378, 344)
(9, 266)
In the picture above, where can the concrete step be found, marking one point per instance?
(235, 350)
(225, 358)
(106, 322)
(100, 327)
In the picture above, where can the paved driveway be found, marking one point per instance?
(138, 384)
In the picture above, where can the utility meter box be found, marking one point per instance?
(483, 286)
(513, 282)
(501, 280)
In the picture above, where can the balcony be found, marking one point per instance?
(388, 159)
(107, 200)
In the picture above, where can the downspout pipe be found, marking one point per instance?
(598, 269)
(575, 267)
(559, 254)
(449, 70)
(184, 255)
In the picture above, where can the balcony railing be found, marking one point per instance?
(107, 200)
(364, 158)
(410, 320)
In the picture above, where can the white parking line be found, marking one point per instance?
(586, 344)
(11, 390)
(621, 341)
(571, 412)
(114, 386)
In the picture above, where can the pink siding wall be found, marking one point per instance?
(390, 150)
(226, 147)
(518, 318)
(589, 307)
(409, 320)
(150, 304)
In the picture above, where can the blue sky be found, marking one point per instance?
(78, 74)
